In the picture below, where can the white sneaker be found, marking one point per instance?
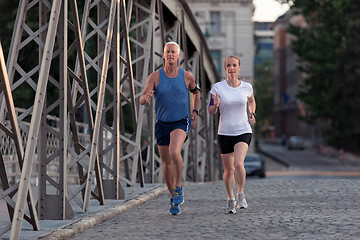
(242, 203)
(230, 207)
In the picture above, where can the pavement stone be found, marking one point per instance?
(279, 208)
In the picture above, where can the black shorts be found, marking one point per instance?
(163, 130)
(227, 143)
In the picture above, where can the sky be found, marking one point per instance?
(268, 10)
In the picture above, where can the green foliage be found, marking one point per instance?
(328, 51)
(264, 94)
(345, 93)
(8, 11)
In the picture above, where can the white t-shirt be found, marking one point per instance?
(233, 103)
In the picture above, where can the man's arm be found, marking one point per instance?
(196, 100)
(149, 88)
(195, 90)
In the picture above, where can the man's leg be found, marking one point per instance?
(168, 168)
(177, 138)
(168, 173)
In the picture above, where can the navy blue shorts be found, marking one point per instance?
(227, 143)
(163, 130)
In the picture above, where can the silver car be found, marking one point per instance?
(296, 142)
(254, 165)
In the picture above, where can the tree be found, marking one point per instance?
(8, 11)
(345, 93)
(264, 94)
(328, 53)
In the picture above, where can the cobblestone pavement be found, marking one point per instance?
(279, 208)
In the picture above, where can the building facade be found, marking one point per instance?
(288, 109)
(228, 28)
(263, 42)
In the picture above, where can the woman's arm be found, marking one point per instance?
(252, 108)
(214, 104)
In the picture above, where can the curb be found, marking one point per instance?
(88, 221)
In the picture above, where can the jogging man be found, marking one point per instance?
(170, 86)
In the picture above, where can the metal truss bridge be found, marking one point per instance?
(83, 134)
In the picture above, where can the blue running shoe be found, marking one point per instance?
(174, 209)
(178, 196)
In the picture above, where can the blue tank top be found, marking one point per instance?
(171, 97)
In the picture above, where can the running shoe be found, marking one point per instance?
(230, 207)
(242, 203)
(178, 196)
(174, 209)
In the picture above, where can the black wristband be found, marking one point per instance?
(197, 88)
(253, 114)
(197, 111)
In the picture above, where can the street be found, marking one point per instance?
(281, 206)
(303, 196)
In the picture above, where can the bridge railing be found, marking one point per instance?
(96, 67)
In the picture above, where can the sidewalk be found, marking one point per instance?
(324, 151)
(275, 151)
(59, 229)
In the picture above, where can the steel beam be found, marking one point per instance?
(81, 101)
(99, 109)
(35, 120)
(14, 133)
(53, 191)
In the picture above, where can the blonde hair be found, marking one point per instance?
(172, 43)
(232, 56)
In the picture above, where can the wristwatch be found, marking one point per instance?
(253, 114)
(197, 111)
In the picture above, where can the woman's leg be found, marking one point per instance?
(240, 151)
(228, 176)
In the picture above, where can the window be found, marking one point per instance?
(215, 22)
(216, 56)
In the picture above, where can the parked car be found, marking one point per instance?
(296, 142)
(254, 165)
